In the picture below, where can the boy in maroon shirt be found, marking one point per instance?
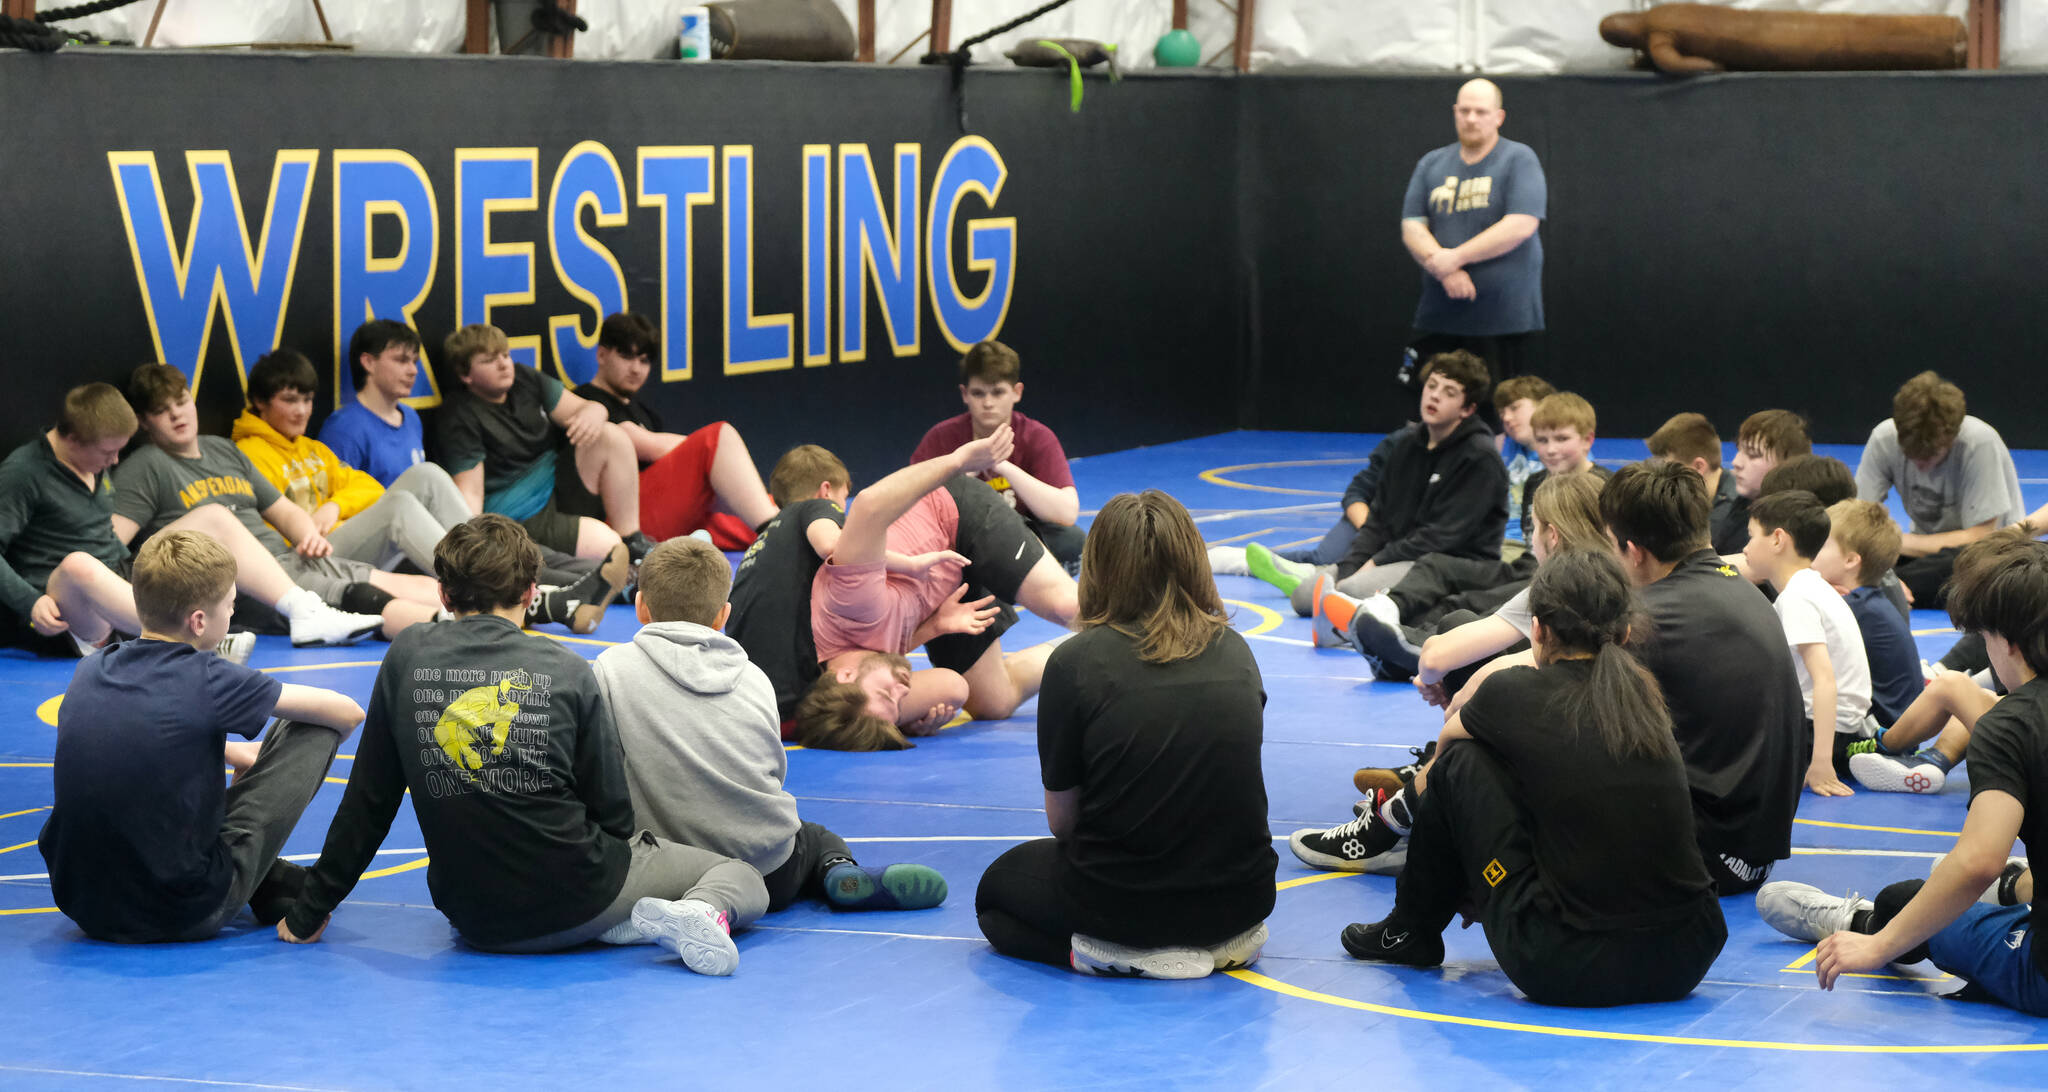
(1034, 479)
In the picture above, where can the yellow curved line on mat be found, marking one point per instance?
(26, 765)
(23, 845)
(47, 712)
(28, 910)
(1214, 476)
(1256, 979)
(1933, 632)
(573, 640)
(1269, 619)
(395, 869)
(1881, 830)
(25, 811)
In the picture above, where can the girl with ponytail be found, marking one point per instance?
(1557, 815)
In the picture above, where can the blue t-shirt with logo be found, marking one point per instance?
(1895, 678)
(1459, 200)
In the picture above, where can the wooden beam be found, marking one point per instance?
(321, 13)
(1990, 34)
(1180, 14)
(476, 37)
(1246, 19)
(153, 21)
(866, 13)
(942, 26)
(18, 9)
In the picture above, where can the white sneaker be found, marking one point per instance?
(236, 647)
(625, 932)
(1323, 631)
(1804, 912)
(1241, 950)
(1227, 561)
(315, 627)
(1093, 955)
(691, 928)
(1886, 773)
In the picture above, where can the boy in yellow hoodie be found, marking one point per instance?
(360, 518)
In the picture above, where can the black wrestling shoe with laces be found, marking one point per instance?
(1380, 942)
(1365, 844)
(1392, 779)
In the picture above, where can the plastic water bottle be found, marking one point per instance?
(694, 42)
(1410, 364)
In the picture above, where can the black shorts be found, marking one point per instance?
(1001, 551)
(1000, 548)
(553, 529)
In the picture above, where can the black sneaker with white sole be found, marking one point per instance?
(1389, 650)
(1365, 844)
(1387, 942)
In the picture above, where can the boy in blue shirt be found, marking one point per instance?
(143, 843)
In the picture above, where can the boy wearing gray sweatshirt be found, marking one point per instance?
(703, 744)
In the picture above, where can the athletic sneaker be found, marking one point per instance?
(318, 625)
(1376, 943)
(1323, 630)
(1228, 561)
(1389, 648)
(1241, 950)
(1362, 845)
(849, 886)
(1887, 773)
(625, 932)
(2000, 891)
(1093, 955)
(1276, 570)
(637, 545)
(236, 647)
(1392, 779)
(1805, 912)
(691, 928)
(581, 605)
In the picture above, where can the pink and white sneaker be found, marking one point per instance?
(692, 929)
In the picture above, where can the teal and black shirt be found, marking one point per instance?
(47, 513)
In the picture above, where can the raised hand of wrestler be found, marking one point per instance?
(955, 615)
(983, 454)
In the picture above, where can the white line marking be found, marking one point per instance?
(1240, 513)
(1281, 640)
(861, 933)
(288, 857)
(154, 1077)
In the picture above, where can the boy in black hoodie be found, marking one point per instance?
(1442, 490)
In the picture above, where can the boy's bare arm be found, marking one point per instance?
(865, 538)
(1820, 773)
(1911, 545)
(1051, 503)
(317, 705)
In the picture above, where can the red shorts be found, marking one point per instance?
(676, 496)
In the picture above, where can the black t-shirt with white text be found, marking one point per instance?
(771, 600)
(1588, 809)
(2009, 753)
(1718, 650)
(1172, 824)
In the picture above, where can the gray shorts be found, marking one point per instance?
(327, 577)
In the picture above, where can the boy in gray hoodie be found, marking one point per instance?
(703, 744)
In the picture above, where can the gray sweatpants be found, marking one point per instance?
(662, 869)
(264, 804)
(406, 522)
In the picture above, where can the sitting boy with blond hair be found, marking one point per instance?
(143, 843)
(703, 745)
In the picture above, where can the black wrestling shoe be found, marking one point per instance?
(1393, 779)
(638, 545)
(1378, 943)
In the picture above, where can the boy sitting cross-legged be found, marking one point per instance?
(703, 744)
(1985, 937)
(1863, 543)
(514, 770)
(1786, 531)
(143, 843)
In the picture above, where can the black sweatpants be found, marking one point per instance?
(1062, 540)
(1927, 577)
(1439, 584)
(263, 805)
(1029, 910)
(1470, 846)
(803, 874)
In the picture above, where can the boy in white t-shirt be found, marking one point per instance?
(1786, 531)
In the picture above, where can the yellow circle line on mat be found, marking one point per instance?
(1214, 476)
(1880, 830)
(47, 712)
(1269, 619)
(1261, 981)
(1256, 979)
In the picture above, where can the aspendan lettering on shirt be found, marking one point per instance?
(220, 485)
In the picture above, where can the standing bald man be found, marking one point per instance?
(1470, 222)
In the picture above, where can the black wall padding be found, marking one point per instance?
(1196, 252)
(1720, 244)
